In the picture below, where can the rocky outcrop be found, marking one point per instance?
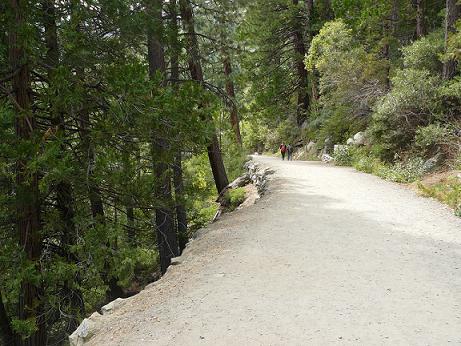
(254, 175)
(431, 164)
(359, 139)
(307, 152)
(91, 325)
(86, 330)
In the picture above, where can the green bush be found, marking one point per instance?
(413, 102)
(233, 198)
(407, 171)
(343, 156)
(430, 137)
(365, 161)
(424, 54)
(403, 172)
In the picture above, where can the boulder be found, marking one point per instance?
(86, 330)
(360, 139)
(328, 146)
(240, 182)
(326, 158)
(112, 306)
(350, 141)
(311, 148)
(433, 163)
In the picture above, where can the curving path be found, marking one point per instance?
(329, 256)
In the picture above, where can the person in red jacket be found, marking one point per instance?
(283, 150)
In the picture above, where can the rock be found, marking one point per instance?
(350, 141)
(328, 146)
(175, 261)
(432, 163)
(240, 182)
(86, 330)
(326, 158)
(311, 148)
(112, 306)
(359, 139)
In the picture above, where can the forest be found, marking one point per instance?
(122, 120)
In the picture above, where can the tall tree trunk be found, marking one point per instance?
(452, 15)
(64, 193)
(230, 90)
(181, 215)
(390, 28)
(313, 76)
(166, 236)
(27, 193)
(328, 12)
(420, 23)
(6, 333)
(300, 52)
(195, 68)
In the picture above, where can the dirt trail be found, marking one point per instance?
(329, 256)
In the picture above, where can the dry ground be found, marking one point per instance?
(329, 256)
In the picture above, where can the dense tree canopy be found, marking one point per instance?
(121, 120)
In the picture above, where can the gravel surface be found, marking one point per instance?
(328, 256)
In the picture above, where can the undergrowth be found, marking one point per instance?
(447, 191)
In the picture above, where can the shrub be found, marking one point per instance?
(233, 198)
(424, 54)
(403, 172)
(365, 161)
(351, 80)
(431, 137)
(343, 156)
(447, 191)
(413, 102)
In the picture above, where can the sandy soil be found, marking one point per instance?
(329, 256)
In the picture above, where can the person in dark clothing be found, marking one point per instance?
(283, 150)
(290, 152)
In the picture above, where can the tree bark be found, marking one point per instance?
(230, 90)
(6, 333)
(300, 52)
(166, 236)
(195, 68)
(27, 193)
(420, 23)
(390, 28)
(452, 15)
(181, 215)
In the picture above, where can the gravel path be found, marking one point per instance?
(329, 256)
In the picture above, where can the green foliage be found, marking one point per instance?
(413, 101)
(424, 54)
(364, 160)
(350, 82)
(343, 156)
(24, 328)
(431, 137)
(200, 191)
(254, 135)
(233, 198)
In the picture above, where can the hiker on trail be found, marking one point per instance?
(283, 150)
(290, 152)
